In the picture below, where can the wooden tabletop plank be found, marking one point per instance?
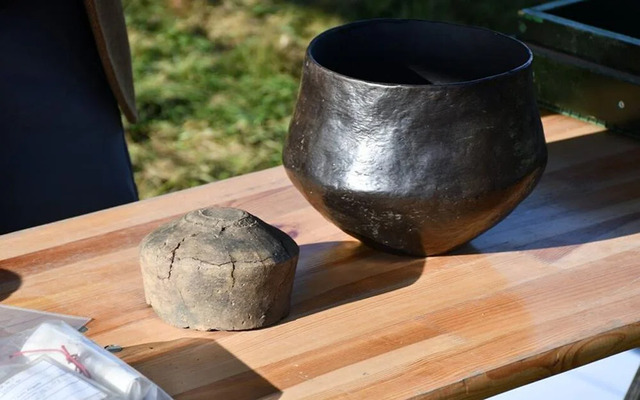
(552, 287)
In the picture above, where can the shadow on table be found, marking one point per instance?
(334, 273)
(198, 369)
(589, 192)
(9, 283)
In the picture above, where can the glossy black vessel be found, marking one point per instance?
(415, 136)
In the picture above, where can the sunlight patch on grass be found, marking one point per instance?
(215, 87)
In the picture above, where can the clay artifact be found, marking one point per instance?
(218, 268)
(415, 136)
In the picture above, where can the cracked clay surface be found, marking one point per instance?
(219, 268)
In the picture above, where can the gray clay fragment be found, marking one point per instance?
(218, 268)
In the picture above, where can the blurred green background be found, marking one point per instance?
(216, 80)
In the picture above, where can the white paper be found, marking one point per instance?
(46, 380)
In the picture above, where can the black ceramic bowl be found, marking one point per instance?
(415, 136)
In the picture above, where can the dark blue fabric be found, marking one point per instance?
(62, 148)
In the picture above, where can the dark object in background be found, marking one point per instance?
(587, 59)
(62, 146)
(415, 136)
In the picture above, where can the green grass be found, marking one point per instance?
(216, 81)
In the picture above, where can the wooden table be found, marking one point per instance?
(554, 286)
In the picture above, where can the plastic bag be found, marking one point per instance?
(57, 354)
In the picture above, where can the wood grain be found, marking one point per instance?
(554, 286)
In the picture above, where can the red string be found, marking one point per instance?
(71, 358)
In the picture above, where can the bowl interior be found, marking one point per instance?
(417, 52)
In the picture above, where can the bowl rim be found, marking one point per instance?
(351, 25)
